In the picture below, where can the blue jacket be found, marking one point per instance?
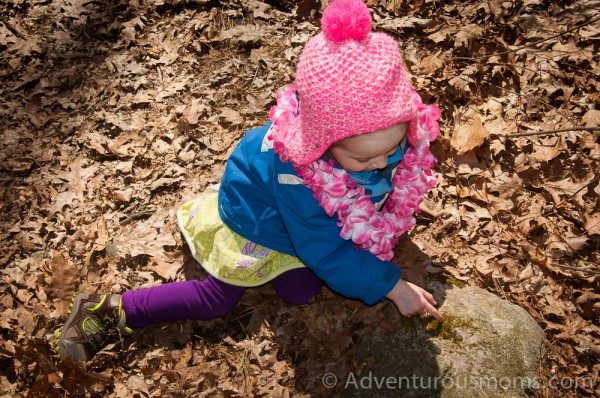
(263, 199)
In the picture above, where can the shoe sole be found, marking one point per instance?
(61, 328)
(74, 307)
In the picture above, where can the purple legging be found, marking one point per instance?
(208, 299)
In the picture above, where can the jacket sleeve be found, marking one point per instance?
(315, 236)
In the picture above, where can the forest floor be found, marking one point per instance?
(114, 112)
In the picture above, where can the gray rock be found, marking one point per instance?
(486, 347)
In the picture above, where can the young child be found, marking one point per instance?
(319, 194)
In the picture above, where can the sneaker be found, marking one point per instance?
(91, 318)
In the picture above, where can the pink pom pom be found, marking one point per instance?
(346, 19)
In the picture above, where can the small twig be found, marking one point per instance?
(137, 216)
(590, 271)
(549, 132)
(593, 180)
(528, 45)
(589, 22)
(566, 116)
(12, 28)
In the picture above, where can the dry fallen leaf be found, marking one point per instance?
(591, 118)
(469, 135)
(592, 223)
(431, 63)
(62, 283)
(549, 148)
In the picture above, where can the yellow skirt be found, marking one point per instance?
(224, 254)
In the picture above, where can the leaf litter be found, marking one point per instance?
(115, 112)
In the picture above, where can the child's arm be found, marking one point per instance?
(351, 272)
(412, 300)
(316, 240)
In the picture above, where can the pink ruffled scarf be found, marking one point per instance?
(370, 229)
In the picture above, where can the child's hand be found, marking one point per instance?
(412, 300)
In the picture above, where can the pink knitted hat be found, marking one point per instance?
(350, 81)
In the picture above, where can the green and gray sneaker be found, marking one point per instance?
(91, 318)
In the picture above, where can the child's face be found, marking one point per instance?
(367, 152)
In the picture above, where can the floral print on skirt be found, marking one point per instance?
(224, 254)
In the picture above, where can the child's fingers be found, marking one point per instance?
(429, 305)
(428, 296)
(431, 299)
(433, 312)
